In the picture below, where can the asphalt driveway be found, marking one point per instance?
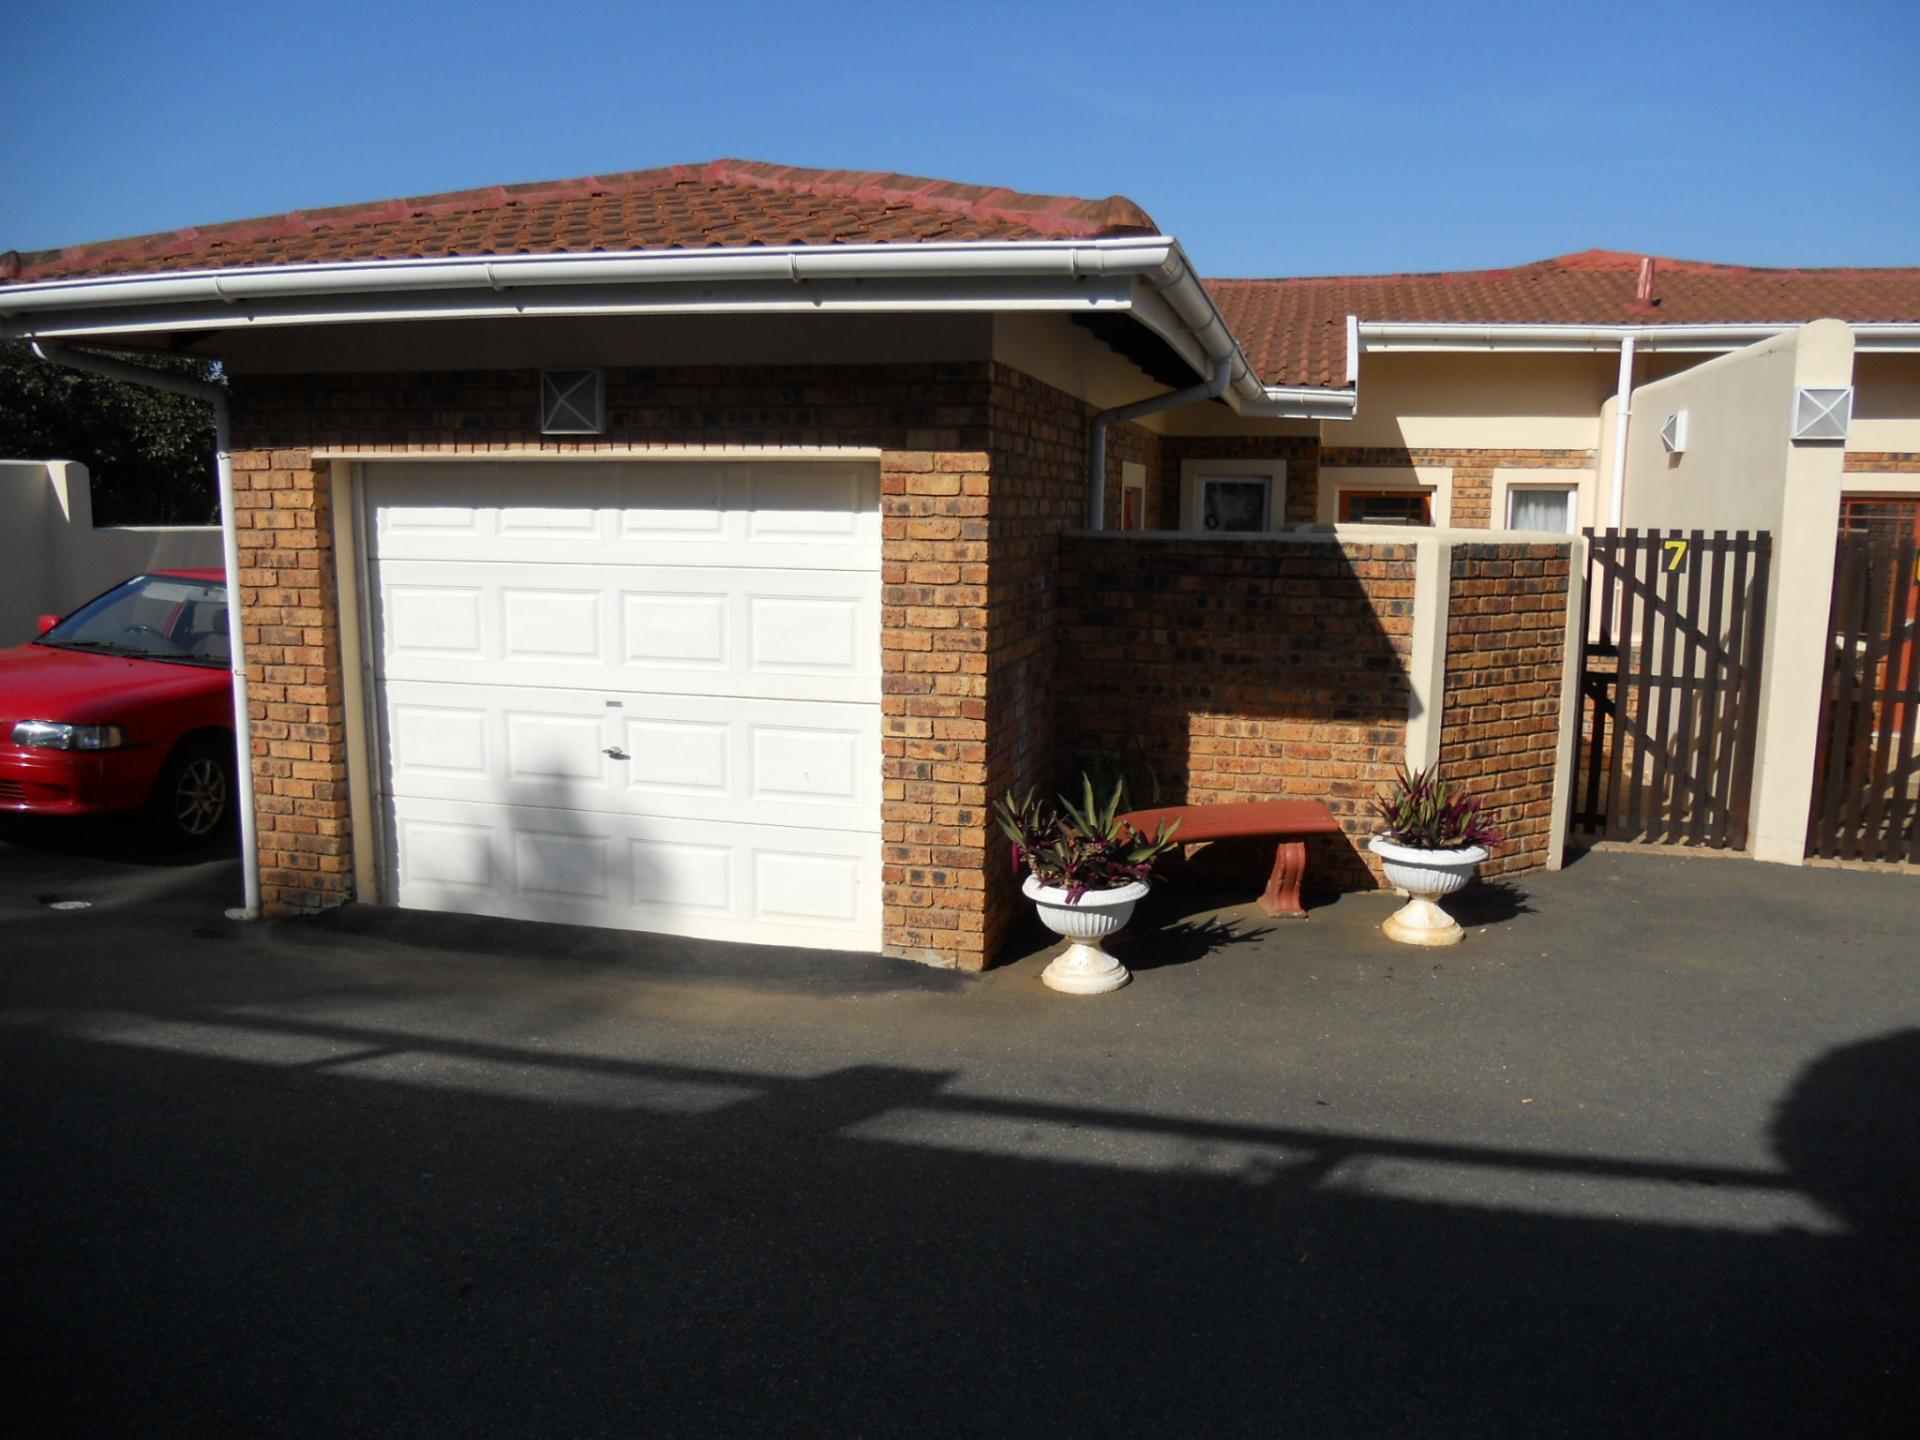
(1640, 1158)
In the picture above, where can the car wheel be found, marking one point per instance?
(193, 798)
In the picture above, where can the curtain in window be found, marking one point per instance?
(1539, 510)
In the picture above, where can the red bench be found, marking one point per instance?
(1290, 820)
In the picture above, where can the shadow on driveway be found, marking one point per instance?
(316, 1183)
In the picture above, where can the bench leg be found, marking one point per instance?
(1282, 899)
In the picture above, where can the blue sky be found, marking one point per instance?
(1272, 139)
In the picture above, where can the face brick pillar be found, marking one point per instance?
(290, 616)
(934, 705)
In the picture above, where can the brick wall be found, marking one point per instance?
(1301, 453)
(1500, 721)
(1881, 462)
(290, 623)
(1472, 472)
(1241, 670)
(1039, 483)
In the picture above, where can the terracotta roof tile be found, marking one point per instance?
(725, 202)
(1295, 331)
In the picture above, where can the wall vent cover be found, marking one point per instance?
(572, 402)
(1673, 434)
(1822, 414)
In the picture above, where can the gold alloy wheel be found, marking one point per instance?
(200, 797)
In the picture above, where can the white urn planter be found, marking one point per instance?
(1425, 875)
(1083, 968)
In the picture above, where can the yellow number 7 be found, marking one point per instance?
(1677, 550)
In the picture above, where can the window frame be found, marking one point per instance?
(1570, 490)
(1195, 475)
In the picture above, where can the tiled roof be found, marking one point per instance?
(1295, 331)
(723, 203)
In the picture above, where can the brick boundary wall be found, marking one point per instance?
(1881, 462)
(1472, 471)
(1244, 670)
(1500, 721)
(1300, 452)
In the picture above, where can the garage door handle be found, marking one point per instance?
(614, 752)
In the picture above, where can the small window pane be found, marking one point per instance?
(1235, 505)
(1386, 507)
(1541, 509)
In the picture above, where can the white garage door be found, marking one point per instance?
(643, 695)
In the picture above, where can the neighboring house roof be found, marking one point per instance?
(678, 207)
(1294, 332)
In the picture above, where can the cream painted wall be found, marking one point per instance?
(1886, 404)
(1052, 349)
(52, 558)
(1732, 474)
(1216, 419)
(1478, 402)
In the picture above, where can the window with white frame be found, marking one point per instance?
(1229, 497)
(1543, 507)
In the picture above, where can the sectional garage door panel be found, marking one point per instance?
(634, 694)
(774, 762)
(795, 634)
(769, 883)
(803, 515)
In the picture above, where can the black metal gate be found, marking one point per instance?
(1866, 785)
(1669, 685)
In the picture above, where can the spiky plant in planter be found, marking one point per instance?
(1087, 869)
(1423, 812)
(1079, 848)
(1431, 838)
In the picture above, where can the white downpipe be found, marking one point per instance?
(1622, 408)
(1153, 405)
(230, 557)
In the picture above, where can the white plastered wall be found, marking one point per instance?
(53, 559)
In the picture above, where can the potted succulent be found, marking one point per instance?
(1086, 870)
(1431, 838)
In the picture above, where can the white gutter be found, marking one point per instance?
(1424, 335)
(1153, 405)
(230, 556)
(1622, 407)
(790, 263)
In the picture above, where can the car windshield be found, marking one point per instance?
(154, 617)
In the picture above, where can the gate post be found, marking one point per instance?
(1574, 646)
(1799, 630)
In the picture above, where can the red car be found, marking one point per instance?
(125, 704)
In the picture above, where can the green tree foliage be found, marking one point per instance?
(150, 452)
